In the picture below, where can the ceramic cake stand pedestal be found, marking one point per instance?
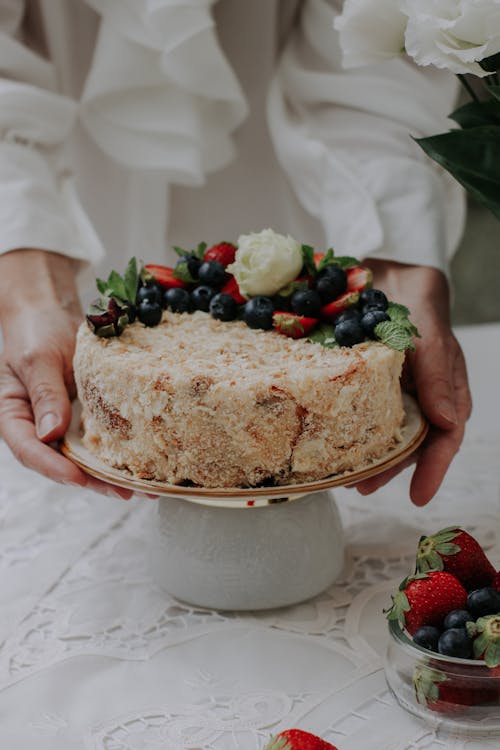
(249, 557)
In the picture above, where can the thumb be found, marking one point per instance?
(49, 398)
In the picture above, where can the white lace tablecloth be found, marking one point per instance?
(93, 656)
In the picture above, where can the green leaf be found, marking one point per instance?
(181, 272)
(308, 260)
(131, 279)
(472, 156)
(101, 285)
(200, 250)
(342, 261)
(400, 314)
(294, 286)
(180, 251)
(394, 335)
(491, 64)
(476, 114)
(324, 335)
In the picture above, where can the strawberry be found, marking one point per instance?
(231, 287)
(297, 739)
(292, 325)
(426, 599)
(318, 257)
(332, 309)
(496, 581)
(223, 253)
(450, 694)
(358, 278)
(165, 276)
(458, 553)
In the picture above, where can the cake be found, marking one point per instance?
(193, 398)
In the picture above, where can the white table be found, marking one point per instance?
(94, 656)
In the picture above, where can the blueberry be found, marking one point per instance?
(331, 282)
(427, 636)
(258, 313)
(457, 619)
(349, 332)
(373, 298)
(455, 642)
(212, 272)
(192, 262)
(201, 296)
(177, 299)
(149, 313)
(482, 602)
(281, 303)
(223, 307)
(306, 302)
(372, 318)
(349, 314)
(151, 292)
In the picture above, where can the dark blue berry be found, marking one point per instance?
(151, 292)
(223, 307)
(201, 296)
(349, 314)
(373, 298)
(281, 303)
(349, 332)
(258, 313)
(427, 636)
(331, 282)
(482, 602)
(212, 273)
(149, 313)
(177, 299)
(372, 318)
(306, 302)
(455, 642)
(457, 619)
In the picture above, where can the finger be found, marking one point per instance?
(367, 486)
(434, 379)
(435, 458)
(43, 378)
(463, 397)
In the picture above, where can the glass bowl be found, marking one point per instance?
(461, 695)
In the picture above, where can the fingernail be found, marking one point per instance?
(447, 410)
(46, 424)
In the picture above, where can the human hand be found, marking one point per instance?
(435, 373)
(39, 322)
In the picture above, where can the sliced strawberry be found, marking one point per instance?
(223, 253)
(292, 325)
(298, 739)
(358, 278)
(318, 258)
(165, 276)
(231, 287)
(332, 309)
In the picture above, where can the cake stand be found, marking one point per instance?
(247, 548)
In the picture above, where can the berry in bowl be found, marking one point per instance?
(443, 657)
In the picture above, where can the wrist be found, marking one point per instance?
(37, 280)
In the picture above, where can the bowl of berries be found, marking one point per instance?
(443, 657)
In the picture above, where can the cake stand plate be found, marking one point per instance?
(414, 431)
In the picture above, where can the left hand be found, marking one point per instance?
(435, 373)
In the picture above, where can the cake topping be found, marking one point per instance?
(270, 282)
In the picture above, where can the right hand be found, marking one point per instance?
(39, 322)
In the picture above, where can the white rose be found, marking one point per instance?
(371, 31)
(265, 262)
(455, 34)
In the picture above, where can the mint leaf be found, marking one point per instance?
(180, 251)
(394, 335)
(324, 335)
(308, 259)
(292, 287)
(342, 261)
(181, 272)
(116, 285)
(131, 279)
(101, 285)
(200, 250)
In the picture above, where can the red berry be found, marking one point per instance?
(164, 275)
(223, 253)
(332, 309)
(292, 325)
(231, 287)
(458, 553)
(297, 739)
(358, 278)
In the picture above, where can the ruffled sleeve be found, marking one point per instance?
(344, 139)
(38, 203)
(160, 94)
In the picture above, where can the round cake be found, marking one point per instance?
(218, 404)
(261, 362)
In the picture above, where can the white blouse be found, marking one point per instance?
(134, 125)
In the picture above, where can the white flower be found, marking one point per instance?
(265, 262)
(452, 34)
(371, 31)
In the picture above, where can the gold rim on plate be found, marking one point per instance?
(414, 430)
